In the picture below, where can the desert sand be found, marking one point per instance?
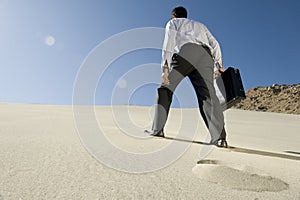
(43, 157)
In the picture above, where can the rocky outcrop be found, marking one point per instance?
(275, 98)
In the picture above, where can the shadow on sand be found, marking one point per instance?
(245, 150)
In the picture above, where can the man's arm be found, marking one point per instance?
(169, 43)
(168, 49)
(216, 50)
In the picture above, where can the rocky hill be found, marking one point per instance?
(275, 98)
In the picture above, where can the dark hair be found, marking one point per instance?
(179, 12)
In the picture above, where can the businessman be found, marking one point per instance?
(198, 54)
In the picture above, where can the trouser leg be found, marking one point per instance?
(202, 80)
(164, 99)
(165, 92)
(209, 105)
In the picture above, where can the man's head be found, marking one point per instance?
(179, 12)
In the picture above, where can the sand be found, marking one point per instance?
(43, 157)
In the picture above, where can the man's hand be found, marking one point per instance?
(165, 74)
(221, 69)
(165, 77)
(219, 72)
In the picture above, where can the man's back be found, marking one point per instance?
(188, 31)
(180, 31)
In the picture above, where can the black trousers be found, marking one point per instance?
(196, 63)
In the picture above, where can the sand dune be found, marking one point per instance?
(43, 157)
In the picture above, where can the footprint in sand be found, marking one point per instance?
(238, 177)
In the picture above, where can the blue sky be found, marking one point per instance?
(44, 43)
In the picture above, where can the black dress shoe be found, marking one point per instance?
(155, 133)
(220, 143)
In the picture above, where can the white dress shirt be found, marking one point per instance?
(180, 31)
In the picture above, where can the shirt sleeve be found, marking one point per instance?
(169, 43)
(215, 48)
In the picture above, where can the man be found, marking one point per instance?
(199, 52)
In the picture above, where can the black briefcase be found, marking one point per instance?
(231, 87)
